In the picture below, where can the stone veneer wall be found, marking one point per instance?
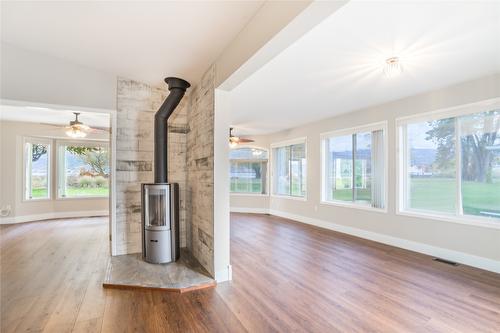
(137, 104)
(200, 177)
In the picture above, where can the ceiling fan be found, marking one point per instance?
(236, 140)
(76, 129)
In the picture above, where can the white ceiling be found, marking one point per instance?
(142, 40)
(337, 66)
(51, 116)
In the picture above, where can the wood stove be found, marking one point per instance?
(161, 222)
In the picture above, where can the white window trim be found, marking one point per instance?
(243, 194)
(60, 173)
(290, 142)
(289, 197)
(401, 152)
(39, 140)
(299, 140)
(382, 125)
(347, 204)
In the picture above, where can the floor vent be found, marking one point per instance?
(444, 261)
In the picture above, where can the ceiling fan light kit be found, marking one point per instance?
(76, 128)
(236, 140)
(75, 132)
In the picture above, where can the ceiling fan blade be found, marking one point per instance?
(53, 125)
(241, 140)
(98, 129)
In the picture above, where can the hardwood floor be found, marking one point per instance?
(286, 277)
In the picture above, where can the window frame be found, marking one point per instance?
(60, 171)
(382, 125)
(280, 144)
(402, 156)
(49, 143)
(266, 194)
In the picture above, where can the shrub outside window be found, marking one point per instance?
(290, 169)
(83, 169)
(248, 170)
(37, 169)
(354, 166)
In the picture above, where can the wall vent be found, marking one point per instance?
(444, 261)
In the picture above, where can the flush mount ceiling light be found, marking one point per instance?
(392, 67)
(256, 152)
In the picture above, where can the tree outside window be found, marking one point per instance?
(86, 171)
(455, 160)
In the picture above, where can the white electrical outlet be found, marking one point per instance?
(5, 211)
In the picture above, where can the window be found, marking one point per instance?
(248, 170)
(289, 169)
(37, 169)
(450, 163)
(83, 170)
(353, 167)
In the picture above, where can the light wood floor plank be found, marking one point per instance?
(287, 276)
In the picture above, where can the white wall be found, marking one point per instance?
(477, 243)
(222, 266)
(34, 77)
(11, 178)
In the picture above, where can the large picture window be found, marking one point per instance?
(289, 169)
(353, 168)
(37, 169)
(450, 163)
(248, 170)
(83, 170)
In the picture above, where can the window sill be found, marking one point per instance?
(242, 194)
(277, 196)
(82, 198)
(353, 205)
(468, 220)
(36, 200)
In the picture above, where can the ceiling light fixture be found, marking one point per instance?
(76, 128)
(75, 132)
(256, 152)
(236, 140)
(392, 67)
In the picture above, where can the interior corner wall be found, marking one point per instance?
(137, 104)
(479, 244)
(34, 77)
(200, 168)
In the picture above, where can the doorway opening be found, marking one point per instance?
(58, 162)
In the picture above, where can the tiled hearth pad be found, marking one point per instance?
(130, 271)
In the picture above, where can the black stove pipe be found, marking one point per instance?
(177, 88)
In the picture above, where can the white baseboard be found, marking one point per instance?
(249, 210)
(53, 215)
(456, 256)
(224, 275)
